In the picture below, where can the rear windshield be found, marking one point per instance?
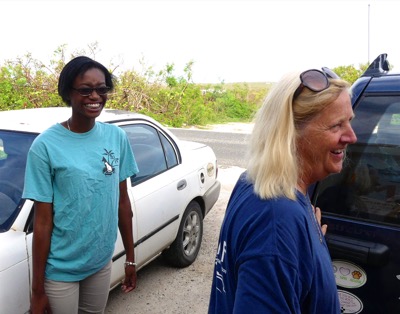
(14, 148)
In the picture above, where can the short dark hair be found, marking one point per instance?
(75, 67)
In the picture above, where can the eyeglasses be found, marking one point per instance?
(86, 91)
(315, 80)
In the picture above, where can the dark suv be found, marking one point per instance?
(361, 205)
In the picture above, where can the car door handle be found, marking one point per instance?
(181, 185)
(370, 253)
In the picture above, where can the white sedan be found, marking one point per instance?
(174, 190)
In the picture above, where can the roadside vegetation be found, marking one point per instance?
(172, 100)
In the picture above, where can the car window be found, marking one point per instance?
(154, 153)
(14, 147)
(368, 188)
(170, 153)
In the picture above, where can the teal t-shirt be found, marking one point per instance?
(80, 174)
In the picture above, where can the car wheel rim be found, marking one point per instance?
(191, 233)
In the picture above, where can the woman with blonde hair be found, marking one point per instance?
(272, 256)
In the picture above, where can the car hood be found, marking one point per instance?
(12, 249)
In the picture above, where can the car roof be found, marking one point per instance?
(39, 119)
(388, 83)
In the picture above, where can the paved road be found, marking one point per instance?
(229, 148)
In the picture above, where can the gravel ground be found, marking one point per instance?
(162, 289)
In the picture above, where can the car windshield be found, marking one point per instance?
(14, 148)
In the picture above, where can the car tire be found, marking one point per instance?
(183, 251)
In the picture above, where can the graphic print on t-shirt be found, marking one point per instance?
(220, 269)
(110, 162)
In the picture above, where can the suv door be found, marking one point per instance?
(361, 206)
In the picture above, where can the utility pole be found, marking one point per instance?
(368, 31)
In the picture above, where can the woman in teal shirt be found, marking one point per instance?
(76, 174)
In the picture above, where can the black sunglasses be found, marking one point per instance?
(315, 80)
(86, 91)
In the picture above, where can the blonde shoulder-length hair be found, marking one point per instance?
(272, 160)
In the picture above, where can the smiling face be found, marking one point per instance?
(323, 141)
(88, 107)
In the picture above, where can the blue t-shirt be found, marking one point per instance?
(271, 258)
(80, 174)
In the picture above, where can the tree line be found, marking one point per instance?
(172, 100)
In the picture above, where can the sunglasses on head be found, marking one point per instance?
(86, 91)
(315, 80)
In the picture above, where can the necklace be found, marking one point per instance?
(68, 125)
(314, 219)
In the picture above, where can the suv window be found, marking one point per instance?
(369, 186)
(154, 153)
(14, 147)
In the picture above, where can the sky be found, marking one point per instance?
(228, 40)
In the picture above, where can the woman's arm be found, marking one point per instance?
(42, 229)
(125, 227)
